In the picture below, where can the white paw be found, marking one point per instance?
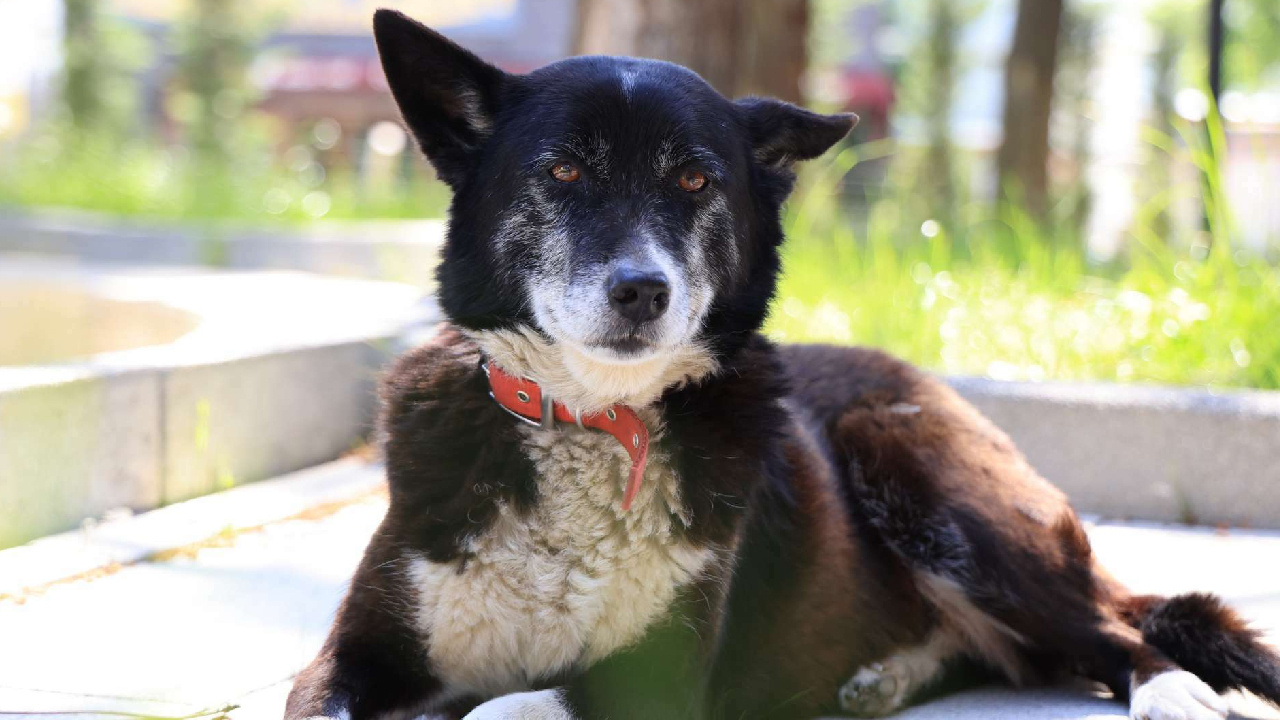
(540, 705)
(1177, 695)
(874, 691)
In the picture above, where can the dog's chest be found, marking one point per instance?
(564, 584)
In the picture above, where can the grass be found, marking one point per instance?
(1002, 298)
(142, 179)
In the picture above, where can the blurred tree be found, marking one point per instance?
(1217, 35)
(100, 57)
(938, 180)
(1023, 158)
(1252, 52)
(741, 47)
(1072, 123)
(215, 44)
(1251, 41)
(1171, 25)
(82, 69)
(1221, 47)
(927, 170)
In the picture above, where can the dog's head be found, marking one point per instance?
(619, 210)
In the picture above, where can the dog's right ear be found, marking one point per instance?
(782, 133)
(447, 95)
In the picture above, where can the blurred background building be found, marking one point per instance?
(316, 62)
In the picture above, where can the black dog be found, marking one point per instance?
(682, 520)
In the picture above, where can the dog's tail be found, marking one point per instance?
(1210, 640)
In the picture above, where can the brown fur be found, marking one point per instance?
(1018, 578)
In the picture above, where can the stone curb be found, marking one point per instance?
(279, 374)
(1146, 453)
(139, 439)
(399, 250)
(132, 539)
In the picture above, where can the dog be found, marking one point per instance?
(611, 497)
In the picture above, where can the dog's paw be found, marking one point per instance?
(540, 705)
(1177, 695)
(874, 691)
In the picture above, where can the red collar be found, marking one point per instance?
(524, 399)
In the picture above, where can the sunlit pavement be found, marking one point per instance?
(219, 601)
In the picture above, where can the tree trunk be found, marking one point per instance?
(1076, 63)
(938, 178)
(83, 76)
(216, 53)
(777, 51)
(741, 47)
(1217, 33)
(1024, 153)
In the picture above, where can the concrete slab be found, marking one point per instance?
(130, 539)
(248, 419)
(196, 632)
(1150, 453)
(277, 375)
(77, 449)
(36, 704)
(231, 621)
(1046, 704)
(265, 704)
(396, 250)
(240, 314)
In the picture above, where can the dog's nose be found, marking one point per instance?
(637, 294)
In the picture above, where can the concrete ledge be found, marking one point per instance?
(1065, 703)
(138, 440)
(76, 449)
(125, 540)
(398, 250)
(278, 375)
(261, 416)
(1149, 453)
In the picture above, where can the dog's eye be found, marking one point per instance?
(565, 172)
(692, 181)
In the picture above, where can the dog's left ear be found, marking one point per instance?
(782, 133)
(447, 95)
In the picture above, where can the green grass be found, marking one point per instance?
(141, 179)
(999, 297)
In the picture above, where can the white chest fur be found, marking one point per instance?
(566, 584)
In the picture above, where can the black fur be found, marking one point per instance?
(438, 397)
(556, 110)
(1204, 636)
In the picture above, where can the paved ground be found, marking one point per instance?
(228, 619)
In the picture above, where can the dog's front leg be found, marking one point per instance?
(538, 705)
(373, 664)
(354, 681)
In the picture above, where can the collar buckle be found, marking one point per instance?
(516, 415)
(548, 413)
(548, 419)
